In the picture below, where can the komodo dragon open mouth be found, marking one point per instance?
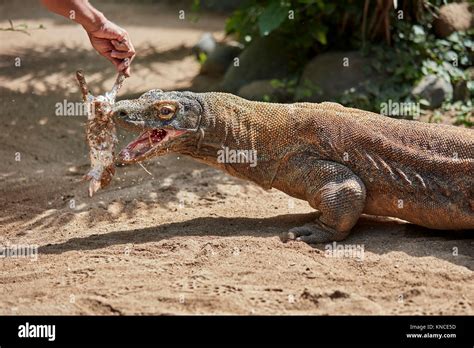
(147, 144)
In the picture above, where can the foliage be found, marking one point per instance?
(413, 47)
(402, 50)
(303, 23)
(202, 57)
(462, 112)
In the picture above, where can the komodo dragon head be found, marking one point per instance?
(166, 121)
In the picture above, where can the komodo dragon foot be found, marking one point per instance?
(331, 188)
(313, 233)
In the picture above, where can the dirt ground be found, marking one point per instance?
(187, 239)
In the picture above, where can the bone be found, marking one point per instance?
(116, 87)
(83, 85)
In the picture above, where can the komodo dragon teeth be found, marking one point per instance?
(100, 133)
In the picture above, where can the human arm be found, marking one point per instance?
(109, 40)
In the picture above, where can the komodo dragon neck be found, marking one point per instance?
(230, 123)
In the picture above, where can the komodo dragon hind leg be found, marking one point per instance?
(329, 187)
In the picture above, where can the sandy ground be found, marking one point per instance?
(188, 238)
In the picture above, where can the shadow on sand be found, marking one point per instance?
(367, 232)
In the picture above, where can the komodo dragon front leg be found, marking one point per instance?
(329, 187)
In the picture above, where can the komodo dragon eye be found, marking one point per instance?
(166, 111)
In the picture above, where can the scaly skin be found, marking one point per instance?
(342, 161)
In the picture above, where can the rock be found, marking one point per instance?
(461, 91)
(453, 17)
(330, 74)
(260, 90)
(206, 44)
(264, 58)
(220, 58)
(434, 89)
(470, 73)
(257, 90)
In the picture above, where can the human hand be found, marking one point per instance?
(113, 42)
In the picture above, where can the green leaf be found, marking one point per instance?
(418, 30)
(470, 86)
(418, 34)
(202, 57)
(451, 56)
(272, 17)
(319, 34)
(424, 102)
(442, 42)
(196, 5)
(275, 83)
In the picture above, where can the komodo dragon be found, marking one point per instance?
(342, 161)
